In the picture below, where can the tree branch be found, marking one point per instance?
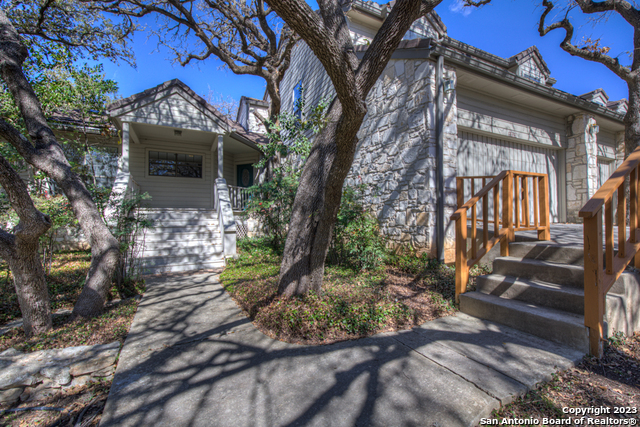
(589, 54)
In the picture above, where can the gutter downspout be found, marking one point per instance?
(440, 159)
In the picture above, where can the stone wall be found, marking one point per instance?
(396, 156)
(582, 164)
(42, 374)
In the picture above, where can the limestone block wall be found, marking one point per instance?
(396, 156)
(581, 164)
(45, 373)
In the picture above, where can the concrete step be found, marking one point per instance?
(180, 214)
(536, 292)
(201, 249)
(185, 222)
(180, 259)
(553, 325)
(533, 269)
(183, 237)
(560, 254)
(176, 268)
(202, 228)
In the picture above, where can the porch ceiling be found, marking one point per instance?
(149, 133)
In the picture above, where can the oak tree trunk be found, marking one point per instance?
(31, 287)
(47, 155)
(20, 250)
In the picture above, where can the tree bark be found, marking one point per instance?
(632, 118)
(318, 198)
(20, 250)
(47, 155)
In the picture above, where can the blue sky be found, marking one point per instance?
(503, 28)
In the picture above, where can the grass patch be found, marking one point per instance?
(353, 304)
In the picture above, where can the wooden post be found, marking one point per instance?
(474, 223)
(525, 193)
(507, 213)
(622, 220)
(485, 216)
(593, 297)
(516, 193)
(543, 190)
(536, 201)
(633, 212)
(462, 271)
(608, 231)
(496, 210)
(460, 192)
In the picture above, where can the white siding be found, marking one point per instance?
(174, 111)
(307, 68)
(480, 155)
(480, 113)
(171, 192)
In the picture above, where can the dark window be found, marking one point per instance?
(298, 100)
(175, 164)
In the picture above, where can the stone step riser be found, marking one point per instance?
(549, 324)
(551, 253)
(539, 270)
(556, 297)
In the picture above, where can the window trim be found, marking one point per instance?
(165, 150)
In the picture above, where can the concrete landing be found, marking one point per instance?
(192, 358)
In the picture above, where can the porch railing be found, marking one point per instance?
(602, 270)
(531, 205)
(239, 197)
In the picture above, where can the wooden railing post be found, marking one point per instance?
(543, 191)
(507, 213)
(462, 270)
(460, 192)
(593, 300)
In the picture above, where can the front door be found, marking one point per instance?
(245, 175)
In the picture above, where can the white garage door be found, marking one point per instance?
(483, 155)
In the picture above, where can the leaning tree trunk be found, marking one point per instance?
(31, 286)
(317, 202)
(632, 118)
(46, 154)
(20, 250)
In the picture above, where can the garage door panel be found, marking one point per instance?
(481, 155)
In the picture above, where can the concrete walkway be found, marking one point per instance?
(193, 359)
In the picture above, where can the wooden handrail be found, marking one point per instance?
(594, 204)
(503, 231)
(601, 267)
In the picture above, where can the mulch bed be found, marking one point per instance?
(611, 382)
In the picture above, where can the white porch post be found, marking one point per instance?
(220, 159)
(125, 147)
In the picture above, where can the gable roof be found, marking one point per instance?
(121, 106)
(531, 52)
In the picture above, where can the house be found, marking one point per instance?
(498, 114)
(193, 162)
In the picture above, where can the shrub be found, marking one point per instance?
(357, 242)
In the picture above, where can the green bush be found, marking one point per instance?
(271, 204)
(357, 242)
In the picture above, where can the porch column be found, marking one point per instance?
(220, 160)
(581, 164)
(125, 148)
